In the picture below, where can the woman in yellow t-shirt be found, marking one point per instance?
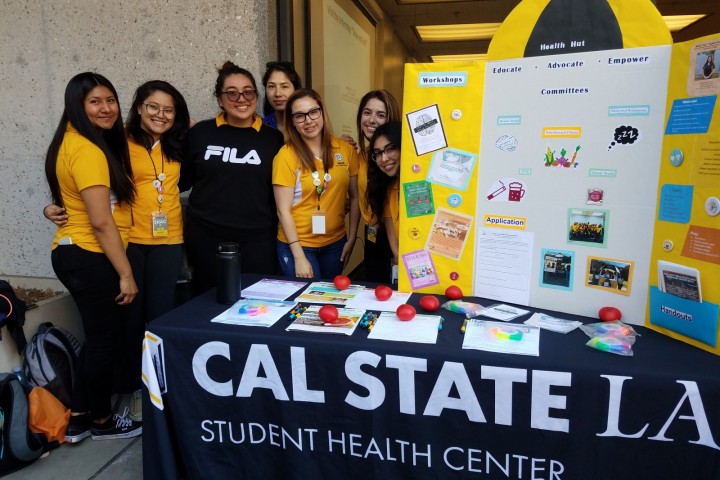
(156, 127)
(383, 194)
(313, 173)
(87, 167)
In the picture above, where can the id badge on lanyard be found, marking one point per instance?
(159, 224)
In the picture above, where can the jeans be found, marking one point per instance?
(325, 261)
(93, 283)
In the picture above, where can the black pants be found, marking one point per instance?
(378, 257)
(93, 284)
(156, 269)
(256, 256)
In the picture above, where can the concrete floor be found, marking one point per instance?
(97, 460)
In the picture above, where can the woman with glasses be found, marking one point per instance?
(228, 164)
(87, 167)
(280, 81)
(312, 175)
(383, 192)
(376, 108)
(156, 128)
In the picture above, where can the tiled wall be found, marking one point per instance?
(43, 43)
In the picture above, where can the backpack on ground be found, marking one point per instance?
(12, 315)
(19, 447)
(50, 361)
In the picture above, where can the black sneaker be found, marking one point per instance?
(78, 428)
(118, 426)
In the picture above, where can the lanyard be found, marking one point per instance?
(159, 178)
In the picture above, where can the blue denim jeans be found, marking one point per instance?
(325, 261)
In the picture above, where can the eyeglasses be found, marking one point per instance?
(234, 95)
(313, 114)
(388, 151)
(154, 109)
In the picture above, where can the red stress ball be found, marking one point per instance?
(341, 282)
(328, 314)
(405, 312)
(429, 303)
(453, 292)
(609, 314)
(383, 292)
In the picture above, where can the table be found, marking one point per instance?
(263, 403)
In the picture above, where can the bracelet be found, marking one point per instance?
(296, 241)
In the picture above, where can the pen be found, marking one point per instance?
(464, 326)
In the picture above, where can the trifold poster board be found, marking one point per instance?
(541, 187)
(685, 262)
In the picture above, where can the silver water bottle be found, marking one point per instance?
(227, 266)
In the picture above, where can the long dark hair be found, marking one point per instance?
(295, 140)
(288, 69)
(378, 181)
(112, 142)
(172, 140)
(391, 106)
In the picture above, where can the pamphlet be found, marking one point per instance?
(254, 312)
(310, 321)
(366, 300)
(502, 312)
(679, 280)
(325, 292)
(272, 289)
(502, 337)
(421, 329)
(547, 322)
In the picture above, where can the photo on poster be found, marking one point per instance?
(557, 269)
(594, 196)
(679, 280)
(426, 130)
(420, 269)
(452, 168)
(588, 227)
(704, 74)
(449, 233)
(418, 199)
(610, 274)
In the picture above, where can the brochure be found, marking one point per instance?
(679, 280)
(547, 322)
(272, 289)
(309, 321)
(502, 337)
(421, 329)
(254, 312)
(366, 300)
(502, 312)
(325, 292)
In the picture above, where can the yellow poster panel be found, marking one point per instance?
(685, 261)
(442, 109)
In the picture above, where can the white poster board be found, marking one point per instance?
(570, 152)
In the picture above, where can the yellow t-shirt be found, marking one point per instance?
(81, 164)
(287, 172)
(146, 166)
(392, 205)
(365, 211)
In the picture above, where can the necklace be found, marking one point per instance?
(159, 177)
(320, 185)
